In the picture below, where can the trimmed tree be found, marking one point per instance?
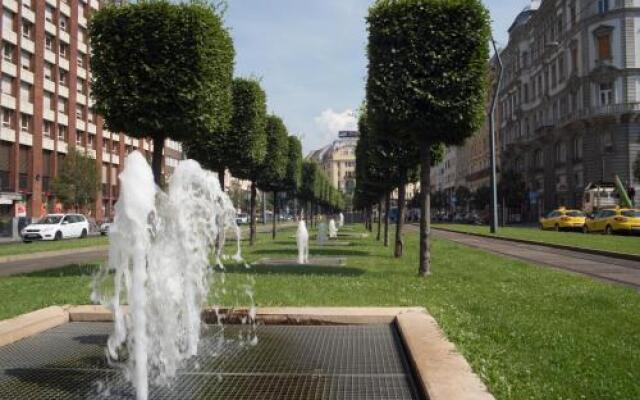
(427, 79)
(274, 168)
(293, 177)
(161, 70)
(248, 123)
(78, 181)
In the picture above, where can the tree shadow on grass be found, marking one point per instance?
(69, 270)
(307, 269)
(315, 251)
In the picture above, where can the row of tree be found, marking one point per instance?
(426, 87)
(164, 70)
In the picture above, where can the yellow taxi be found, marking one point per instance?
(563, 219)
(609, 221)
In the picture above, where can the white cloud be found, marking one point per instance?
(327, 126)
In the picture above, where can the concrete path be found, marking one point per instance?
(600, 267)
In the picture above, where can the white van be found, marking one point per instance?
(598, 196)
(57, 227)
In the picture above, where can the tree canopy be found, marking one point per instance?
(293, 176)
(248, 124)
(161, 70)
(78, 181)
(274, 168)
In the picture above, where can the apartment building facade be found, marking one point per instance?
(338, 160)
(570, 98)
(47, 109)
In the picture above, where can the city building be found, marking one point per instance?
(570, 98)
(47, 109)
(338, 160)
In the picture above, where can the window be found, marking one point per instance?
(62, 132)
(47, 129)
(90, 115)
(604, 46)
(105, 145)
(7, 51)
(80, 60)
(561, 152)
(538, 159)
(48, 42)
(577, 148)
(26, 123)
(603, 6)
(48, 71)
(25, 92)
(62, 105)
(26, 4)
(64, 50)
(554, 75)
(79, 135)
(574, 59)
(27, 29)
(47, 100)
(91, 143)
(64, 23)
(7, 117)
(7, 84)
(577, 179)
(7, 19)
(25, 60)
(80, 85)
(561, 70)
(64, 77)
(606, 94)
(80, 111)
(49, 13)
(82, 35)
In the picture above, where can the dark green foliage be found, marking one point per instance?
(439, 200)
(274, 168)
(512, 189)
(317, 189)
(293, 176)
(247, 135)
(481, 198)
(161, 70)
(78, 181)
(427, 68)
(463, 196)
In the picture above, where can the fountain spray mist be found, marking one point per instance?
(159, 251)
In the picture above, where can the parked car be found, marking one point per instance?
(104, 228)
(242, 218)
(56, 227)
(563, 219)
(623, 220)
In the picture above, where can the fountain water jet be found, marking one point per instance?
(340, 220)
(159, 251)
(333, 231)
(302, 241)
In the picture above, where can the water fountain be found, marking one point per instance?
(340, 220)
(322, 232)
(302, 241)
(333, 231)
(159, 251)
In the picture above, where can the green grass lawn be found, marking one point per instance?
(618, 244)
(12, 249)
(529, 332)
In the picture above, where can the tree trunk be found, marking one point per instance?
(221, 179)
(379, 220)
(402, 190)
(275, 213)
(387, 207)
(425, 209)
(156, 161)
(252, 224)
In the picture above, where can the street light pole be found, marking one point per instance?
(492, 122)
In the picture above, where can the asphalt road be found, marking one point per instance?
(609, 269)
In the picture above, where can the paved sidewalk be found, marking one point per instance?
(610, 269)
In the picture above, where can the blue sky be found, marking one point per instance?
(310, 57)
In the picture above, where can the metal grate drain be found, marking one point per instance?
(289, 362)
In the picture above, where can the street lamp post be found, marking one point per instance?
(492, 128)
